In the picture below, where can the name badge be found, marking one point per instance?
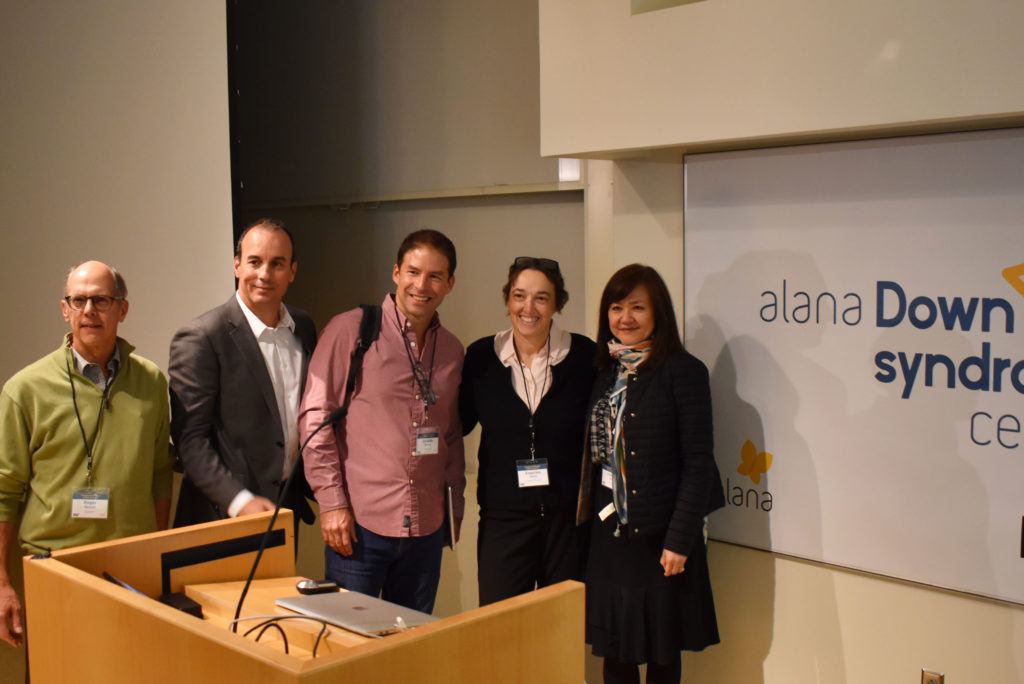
(428, 441)
(90, 502)
(532, 473)
(606, 477)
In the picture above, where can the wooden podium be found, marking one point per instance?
(83, 628)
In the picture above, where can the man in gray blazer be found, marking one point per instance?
(236, 377)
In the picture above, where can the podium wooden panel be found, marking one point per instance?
(83, 628)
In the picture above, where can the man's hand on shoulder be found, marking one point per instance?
(11, 629)
(258, 504)
(339, 530)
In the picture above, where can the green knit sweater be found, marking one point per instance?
(43, 457)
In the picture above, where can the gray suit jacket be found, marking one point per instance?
(224, 417)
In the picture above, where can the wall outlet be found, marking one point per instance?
(930, 677)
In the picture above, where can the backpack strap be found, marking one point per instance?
(369, 329)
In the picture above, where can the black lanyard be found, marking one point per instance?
(423, 379)
(104, 403)
(526, 388)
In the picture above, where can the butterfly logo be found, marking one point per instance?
(754, 463)
(1015, 276)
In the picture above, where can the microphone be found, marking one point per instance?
(332, 419)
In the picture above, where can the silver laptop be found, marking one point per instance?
(359, 613)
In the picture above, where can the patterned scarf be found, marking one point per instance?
(607, 441)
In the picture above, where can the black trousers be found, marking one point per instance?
(616, 672)
(520, 551)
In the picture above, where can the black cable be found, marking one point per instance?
(267, 625)
(277, 618)
(336, 415)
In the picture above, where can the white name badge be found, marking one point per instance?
(606, 478)
(90, 502)
(532, 473)
(428, 441)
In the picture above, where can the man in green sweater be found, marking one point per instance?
(84, 439)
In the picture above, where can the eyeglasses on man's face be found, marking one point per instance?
(99, 302)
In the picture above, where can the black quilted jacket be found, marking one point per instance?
(671, 475)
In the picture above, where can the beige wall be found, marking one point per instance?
(786, 620)
(115, 147)
(114, 142)
(743, 70)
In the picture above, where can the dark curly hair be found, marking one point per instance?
(549, 267)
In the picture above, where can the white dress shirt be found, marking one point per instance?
(282, 352)
(532, 382)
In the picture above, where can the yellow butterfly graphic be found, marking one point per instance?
(1015, 276)
(754, 462)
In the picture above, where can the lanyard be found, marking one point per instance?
(526, 389)
(422, 378)
(104, 402)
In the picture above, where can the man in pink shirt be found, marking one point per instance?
(380, 477)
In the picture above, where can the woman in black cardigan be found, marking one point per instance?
(649, 479)
(528, 387)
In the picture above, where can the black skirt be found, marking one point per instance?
(634, 613)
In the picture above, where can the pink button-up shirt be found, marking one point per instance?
(370, 463)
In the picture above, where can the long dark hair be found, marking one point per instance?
(666, 332)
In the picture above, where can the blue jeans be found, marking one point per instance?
(403, 570)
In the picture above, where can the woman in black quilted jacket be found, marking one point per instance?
(649, 479)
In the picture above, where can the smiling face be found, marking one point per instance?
(531, 304)
(264, 269)
(631, 319)
(422, 281)
(93, 332)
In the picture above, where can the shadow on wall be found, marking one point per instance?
(745, 434)
(744, 583)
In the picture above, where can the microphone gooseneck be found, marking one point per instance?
(335, 416)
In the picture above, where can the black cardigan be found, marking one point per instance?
(488, 397)
(671, 475)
